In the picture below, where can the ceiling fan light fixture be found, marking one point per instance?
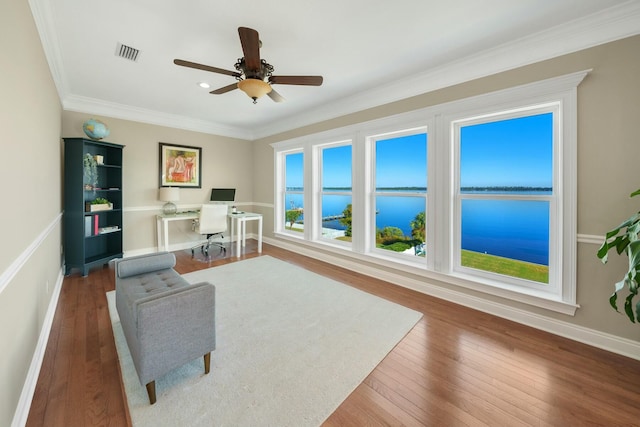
(254, 88)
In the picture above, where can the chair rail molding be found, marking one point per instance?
(7, 276)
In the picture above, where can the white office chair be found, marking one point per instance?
(212, 222)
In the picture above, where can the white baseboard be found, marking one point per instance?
(29, 387)
(612, 343)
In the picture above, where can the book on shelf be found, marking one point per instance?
(96, 219)
(88, 232)
(108, 229)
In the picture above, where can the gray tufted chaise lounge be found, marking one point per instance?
(167, 322)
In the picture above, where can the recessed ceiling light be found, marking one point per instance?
(204, 85)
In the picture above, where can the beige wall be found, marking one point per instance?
(226, 162)
(31, 203)
(608, 152)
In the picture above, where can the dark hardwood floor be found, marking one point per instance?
(457, 367)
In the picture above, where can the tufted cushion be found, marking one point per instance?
(140, 288)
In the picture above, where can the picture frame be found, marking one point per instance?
(180, 166)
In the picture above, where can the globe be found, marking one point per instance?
(95, 129)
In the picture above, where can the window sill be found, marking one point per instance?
(409, 274)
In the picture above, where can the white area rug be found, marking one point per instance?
(291, 346)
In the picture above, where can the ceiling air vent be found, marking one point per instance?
(127, 52)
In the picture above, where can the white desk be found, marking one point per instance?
(238, 221)
(162, 226)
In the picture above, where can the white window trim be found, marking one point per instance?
(281, 191)
(389, 132)
(561, 89)
(555, 221)
(438, 120)
(317, 172)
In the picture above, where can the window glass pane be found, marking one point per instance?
(336, 169)
(401, 163)
(401, 167)
(294, 212)
(509, 237)
(294, 180)
(336, 217)
(508, 155)
(336, 178)
(294, 192)
(400, 224)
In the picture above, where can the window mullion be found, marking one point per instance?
(441, 196)
(310, 191)
(360, 206)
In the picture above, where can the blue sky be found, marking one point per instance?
(336, 167)
(514, 152)
(402, 162)
(294, 169)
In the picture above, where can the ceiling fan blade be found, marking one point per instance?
(190, 64)
(275, 96)
(296, 80)
(250, 41)
(225, 89)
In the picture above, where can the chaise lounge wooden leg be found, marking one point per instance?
(207, 362)
(151, 391)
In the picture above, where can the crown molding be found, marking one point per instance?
(612, 24)
(615, 23)
(83, 104)
(43, 18)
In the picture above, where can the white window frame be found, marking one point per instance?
(555, 219)
(318, 151)
(281, 192)
(372, 194)
(440, 121)
(560, 91)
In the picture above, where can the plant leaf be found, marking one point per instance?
(620, 243)
(603, 252)
(628, 308)
(613, 301)
(626, 223)
(633, 252)
(625, 238)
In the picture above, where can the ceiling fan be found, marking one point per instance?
(254, 75)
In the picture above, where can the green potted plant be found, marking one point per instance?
(90, 172)
(98, 204)
(624, 238)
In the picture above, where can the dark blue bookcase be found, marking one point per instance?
(91, 238)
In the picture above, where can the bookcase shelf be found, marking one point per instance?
(84, 245)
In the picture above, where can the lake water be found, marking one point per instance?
(508, 228)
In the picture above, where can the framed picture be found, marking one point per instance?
(180, 166)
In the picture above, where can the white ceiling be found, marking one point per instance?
(369, 52)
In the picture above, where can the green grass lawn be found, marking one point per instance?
(495, 264)
(506, 266)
